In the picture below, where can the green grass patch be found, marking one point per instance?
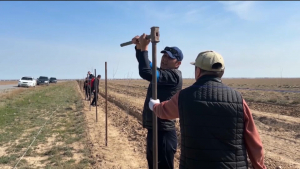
(8, 159)
(22, 116)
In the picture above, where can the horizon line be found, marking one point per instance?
(182, 78)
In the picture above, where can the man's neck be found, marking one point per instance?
(205, 76)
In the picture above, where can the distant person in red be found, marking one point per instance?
(92, 81)
(217, 127)
(90, 84)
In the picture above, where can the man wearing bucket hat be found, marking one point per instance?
(169, 82)
(217, 127)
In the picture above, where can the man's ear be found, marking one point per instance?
(197, 72)
(177, 64)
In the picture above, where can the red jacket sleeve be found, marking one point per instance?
(167, 109)
(252, 140)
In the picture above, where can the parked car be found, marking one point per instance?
(43, 80)
(27, 81)
(53, 80)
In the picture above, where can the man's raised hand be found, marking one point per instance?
(144, 42)
(135, 40)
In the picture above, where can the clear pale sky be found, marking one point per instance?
(67, 39)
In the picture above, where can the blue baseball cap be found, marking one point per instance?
(174, 52)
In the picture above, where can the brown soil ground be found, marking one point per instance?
(279, 129)
(124, 147)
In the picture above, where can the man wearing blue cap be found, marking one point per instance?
(169, 82)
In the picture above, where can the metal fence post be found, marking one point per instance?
(154, 40)
(106, 139)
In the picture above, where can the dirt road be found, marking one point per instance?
(7, 87)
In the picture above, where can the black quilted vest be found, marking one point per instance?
(212, 126)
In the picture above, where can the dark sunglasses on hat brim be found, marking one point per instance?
(173, 51)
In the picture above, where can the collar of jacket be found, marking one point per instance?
(206, 78)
